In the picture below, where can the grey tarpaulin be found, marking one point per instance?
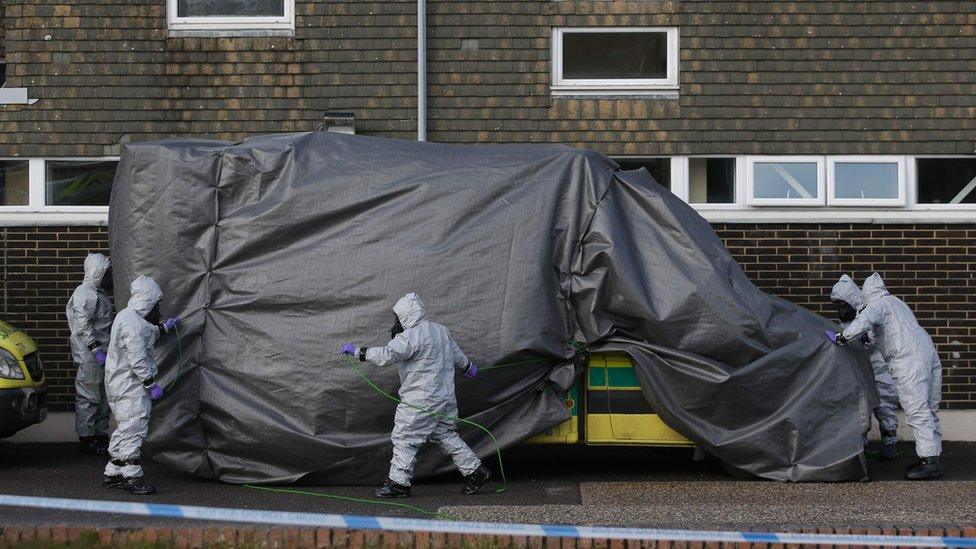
(278, 249)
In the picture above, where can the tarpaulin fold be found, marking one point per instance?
(278, 249)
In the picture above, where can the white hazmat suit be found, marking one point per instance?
(89, 313)
(426, 357)
(911, 356)
(846, 290)
(129, 366)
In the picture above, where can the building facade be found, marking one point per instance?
(819, 137)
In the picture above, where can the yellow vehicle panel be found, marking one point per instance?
(20, 345)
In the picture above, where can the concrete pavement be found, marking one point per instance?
(578, 485)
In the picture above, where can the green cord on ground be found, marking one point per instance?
(498, 448)
(354, 499)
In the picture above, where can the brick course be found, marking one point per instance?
(757, 77)
(931, 267)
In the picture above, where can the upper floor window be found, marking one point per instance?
(866, 181)
(56, 185)
(231, 15)
(3, 71)
(948, 181)
(621, 60)
(14, 183)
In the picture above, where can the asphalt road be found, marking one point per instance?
(557, 484)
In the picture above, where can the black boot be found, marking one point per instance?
(91, 446)
(137, 486)
(474, 481)
(888, 451)
(391, 489)
(102, 441)
(113, 481)
(928, 468)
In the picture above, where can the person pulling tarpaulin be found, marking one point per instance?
(914, 364)
(426, 357)
(130, 381)
(89, 313)
(848, 299)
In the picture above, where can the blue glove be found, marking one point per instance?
(100, 356)
(171, 323)
(349, 349)
(155, 392)
(471, 371)
(835, 337)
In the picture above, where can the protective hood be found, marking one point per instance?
(410, 310)
(95, 267)
(847, 291)
(145, 294)
(874, 287)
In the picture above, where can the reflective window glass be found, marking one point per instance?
(785, 180)
(711, 180)
(79, 182)
(660, 168)
(946, 180)
(231, 8)
(615, 55)
(14, 183)
(865, 180)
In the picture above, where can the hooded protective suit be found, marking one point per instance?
(89, 313)
(911, 356)
(129, 365)
(427, 358)
(847, 291)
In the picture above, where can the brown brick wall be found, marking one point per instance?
(218, 536)
(931, 267)
(757, 77)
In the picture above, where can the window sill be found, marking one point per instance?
(874, 217)
(34, 218)
(15, 96)
(229, 33)
(617, 93)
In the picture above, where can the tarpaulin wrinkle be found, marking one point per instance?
(536, 235)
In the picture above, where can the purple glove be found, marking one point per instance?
(100, 357)
(471, 371)
(155, 392)
(349, 349)
(834, 337)
(171, 323)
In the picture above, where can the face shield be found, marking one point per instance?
(845, 312)
(397, 327)
(153, 316)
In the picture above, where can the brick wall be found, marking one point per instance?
(930, 266)
(757, 77)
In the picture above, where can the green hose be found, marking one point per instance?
(350, 498)
(498, 449)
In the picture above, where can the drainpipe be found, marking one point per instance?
(421, 70)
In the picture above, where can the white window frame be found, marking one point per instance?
(684, 169)
(563, 86)
(912, 177)
(229, 23)
(37, 190)
(832, 162)
(751, 199)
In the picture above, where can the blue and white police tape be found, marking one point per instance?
(322, 520)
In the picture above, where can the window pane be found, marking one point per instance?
(3, 68)
(615, 55)
(946, 180)
(79, 183)
(785, 180)
(14, 183)
(865, 180)
(231, 8)
(711, 180)
(660, 168)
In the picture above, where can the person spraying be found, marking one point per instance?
(427, 358)
(848, 300)
(130, 381)
(89, 313)
(914, 364)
